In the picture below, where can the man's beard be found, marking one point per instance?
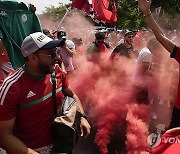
(45, 69)
(129, 42)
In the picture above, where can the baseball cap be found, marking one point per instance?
(61, 34)
(36, 41)
(129, 32)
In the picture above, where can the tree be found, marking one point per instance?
(169, 15)
(129, 15)
(55, 13)
(171, 7)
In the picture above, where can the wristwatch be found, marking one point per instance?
(84, 115)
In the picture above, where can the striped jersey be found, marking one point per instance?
(33, 122)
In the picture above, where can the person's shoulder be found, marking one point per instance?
(91, 46)
(16, 73)
(107, 45)
(145, 50)
(13, 80)
(69, 41)
(119, 47)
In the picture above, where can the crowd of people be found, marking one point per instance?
(26, 103)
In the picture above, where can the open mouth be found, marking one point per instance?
(53, 65)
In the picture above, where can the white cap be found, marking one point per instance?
(35, 41)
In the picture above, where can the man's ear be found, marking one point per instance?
(33, 57)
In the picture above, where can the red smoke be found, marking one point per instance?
(105, 89)
(137, 129)
(106, 126)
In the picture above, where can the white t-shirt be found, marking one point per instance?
(66, 57)
(144, 56)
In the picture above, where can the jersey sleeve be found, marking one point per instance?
(176, 53)
(9, 97)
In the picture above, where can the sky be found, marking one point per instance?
(41, 4)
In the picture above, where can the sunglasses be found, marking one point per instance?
(130, 36)
(51, 55)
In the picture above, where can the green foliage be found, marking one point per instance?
(56, 12)
(170, 6)
(129, 15)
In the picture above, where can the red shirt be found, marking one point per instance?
(176, 54)
(33, 123)
(170, 144)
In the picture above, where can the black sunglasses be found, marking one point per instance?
(51, 55)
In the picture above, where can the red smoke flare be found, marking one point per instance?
(137, 128)
(105, 126)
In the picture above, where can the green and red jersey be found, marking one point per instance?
(30, 101)
(16, 22)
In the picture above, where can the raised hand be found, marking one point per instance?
(144, 5)
(32, 8)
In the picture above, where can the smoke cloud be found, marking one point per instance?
(106, 88)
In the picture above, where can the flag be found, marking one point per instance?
(81, 5)
(100, 9)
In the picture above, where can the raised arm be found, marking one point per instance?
(145, 8)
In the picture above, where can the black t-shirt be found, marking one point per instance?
(122, 50)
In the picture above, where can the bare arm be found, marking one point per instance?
(11, 143)
(70, 52)
(174, 130)
(145, 8)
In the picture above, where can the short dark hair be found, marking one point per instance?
(100, 35)
(46, 31)
(129, 32)
(61, 34)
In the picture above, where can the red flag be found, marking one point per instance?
(100, 9)
(102, 12)
(81, 5)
